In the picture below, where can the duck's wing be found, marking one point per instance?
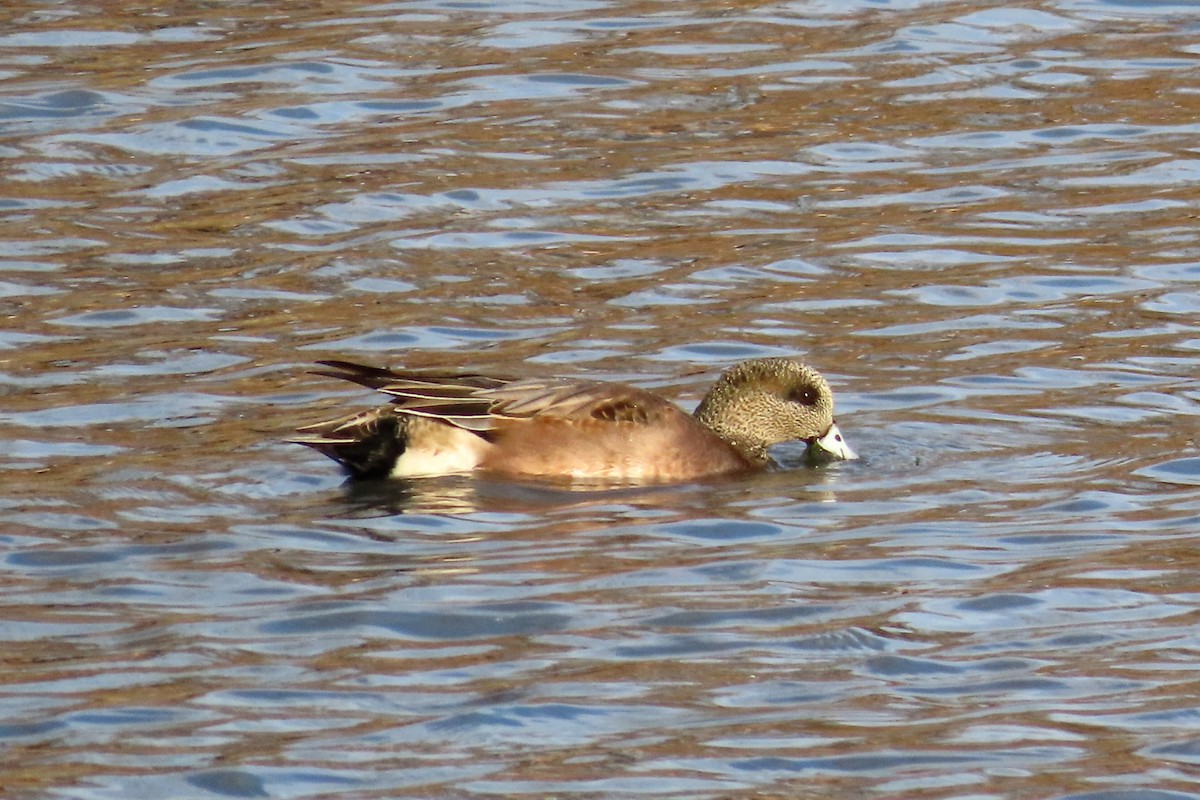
(479, 402)
(388, 380)
(579, 401)
(459, 399)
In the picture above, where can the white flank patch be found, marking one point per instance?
(438, 449)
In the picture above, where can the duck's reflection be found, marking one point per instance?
(473, 494)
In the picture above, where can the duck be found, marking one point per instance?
(442, 423)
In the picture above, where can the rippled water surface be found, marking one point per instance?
(978, 219)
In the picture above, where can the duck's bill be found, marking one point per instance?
(831, 447)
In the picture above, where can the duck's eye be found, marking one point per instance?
(805, 397)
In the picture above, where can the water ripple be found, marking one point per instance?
(975, 219)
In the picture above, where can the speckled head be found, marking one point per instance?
(766, 401)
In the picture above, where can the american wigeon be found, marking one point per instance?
(440, 423)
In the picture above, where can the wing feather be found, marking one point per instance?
(478, 402)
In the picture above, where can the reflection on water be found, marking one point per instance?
(977, 220)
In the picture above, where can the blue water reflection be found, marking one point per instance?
(976, 220)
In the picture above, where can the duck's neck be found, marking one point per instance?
(716, 414)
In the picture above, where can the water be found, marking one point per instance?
(977, 220)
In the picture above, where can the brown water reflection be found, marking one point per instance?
(977, 219)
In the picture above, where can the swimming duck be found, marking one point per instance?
(441, 423)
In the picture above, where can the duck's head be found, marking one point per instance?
(760, 403)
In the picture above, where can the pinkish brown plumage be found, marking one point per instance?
(440, 423)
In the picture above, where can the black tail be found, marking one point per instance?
(367, 444)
